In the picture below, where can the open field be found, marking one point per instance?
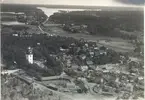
(117, 44)
(9, 16)
(10, 29)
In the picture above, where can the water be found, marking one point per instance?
(50, 11)
(47, 11)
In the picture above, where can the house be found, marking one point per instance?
(84, 68)
(38, 43)
(89, 62)
(82, 56)
(40, 64)
(86, 44)
(68, 62)
(92, 66)
(63, 50)
(91, 53)
(96, 48)
(84, 26)
(74, 66)
(15, 34)
(103, 52)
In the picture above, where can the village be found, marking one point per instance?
(78, 55)
(91, 69)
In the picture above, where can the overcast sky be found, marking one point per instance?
(81, 2)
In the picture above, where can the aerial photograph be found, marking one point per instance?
(72, 49)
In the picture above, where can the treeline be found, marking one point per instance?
(10, 18)
(17, 8)
(103, 22)
(35, 17)
(32, 15)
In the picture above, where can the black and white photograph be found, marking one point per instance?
(72, 49)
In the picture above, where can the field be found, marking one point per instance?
(10, 29)
(8, 16)
(117, 44)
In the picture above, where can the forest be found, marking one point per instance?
(31, 14)
(14, 50)
(107, 23)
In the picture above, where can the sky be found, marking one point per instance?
(80, 2)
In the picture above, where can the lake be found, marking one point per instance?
(50, 11)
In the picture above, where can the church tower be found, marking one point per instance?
(29, 55)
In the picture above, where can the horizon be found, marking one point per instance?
(104, 3)
(91, 7)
